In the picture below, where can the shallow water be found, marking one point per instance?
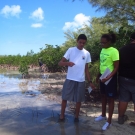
(24, 110)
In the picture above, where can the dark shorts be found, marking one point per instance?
(126, 89)
(73, 91)
(110, 90)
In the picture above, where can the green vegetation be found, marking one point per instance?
(119, 18)
(50, 56)
(122, 11)
(23, 69)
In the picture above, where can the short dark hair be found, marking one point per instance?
(132, 37)
(110, 37)
(82, 36)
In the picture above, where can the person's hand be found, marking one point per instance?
(97, 79)
(92, 86)
(71, 64)
(104, 80)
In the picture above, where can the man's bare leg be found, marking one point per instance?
(122, 108)
(110, 109)
(63, 106)
(77, 110)
(121, 112)
(104, 102)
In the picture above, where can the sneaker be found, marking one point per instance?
(122, 119)
(106, 126)
(99, 118)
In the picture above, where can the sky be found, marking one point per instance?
(30, 24)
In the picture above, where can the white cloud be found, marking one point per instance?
(36, 25)
(13, 10)
(38, 14)
(79, 21)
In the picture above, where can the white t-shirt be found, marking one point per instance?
(79, 58)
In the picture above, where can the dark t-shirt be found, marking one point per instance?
(127, 61)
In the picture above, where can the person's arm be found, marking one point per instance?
(88, 76)
(97, 77)
(116, 66)
(64, 62)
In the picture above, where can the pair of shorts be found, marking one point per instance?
(126, 89)
(110, 90)
(73, 91)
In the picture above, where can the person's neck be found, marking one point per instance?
(79, 48)
(107, 47)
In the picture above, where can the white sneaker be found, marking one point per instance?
(106, 126)
(99, 118)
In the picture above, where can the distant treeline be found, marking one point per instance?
(50, 55)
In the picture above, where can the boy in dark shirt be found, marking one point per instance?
(126, 78)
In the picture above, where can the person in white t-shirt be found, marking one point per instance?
(77, 59)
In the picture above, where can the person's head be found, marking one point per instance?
(132, 37)
(107, 40)
(81, 41)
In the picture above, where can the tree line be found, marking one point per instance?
(119, 19)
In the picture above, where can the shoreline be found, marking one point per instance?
(51, 90)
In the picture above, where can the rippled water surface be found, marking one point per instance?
(24, 110)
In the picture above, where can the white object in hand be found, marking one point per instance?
(89, 89)
(105, 74)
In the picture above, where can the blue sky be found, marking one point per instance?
(30, 24)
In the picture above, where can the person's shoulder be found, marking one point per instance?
(86, 51)
(71, 48)
(114, 49)
(128, 45)
(123, 47)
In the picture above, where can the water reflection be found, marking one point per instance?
(23, 113)
(10, 74)
(13, 84)
(62, 129)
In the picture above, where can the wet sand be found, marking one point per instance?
(32, 106)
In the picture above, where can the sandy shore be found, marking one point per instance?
(51, 88)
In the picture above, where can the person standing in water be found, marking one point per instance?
(77, 59)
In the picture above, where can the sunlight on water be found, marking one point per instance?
(22, 106)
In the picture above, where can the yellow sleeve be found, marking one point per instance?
(115, 55)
